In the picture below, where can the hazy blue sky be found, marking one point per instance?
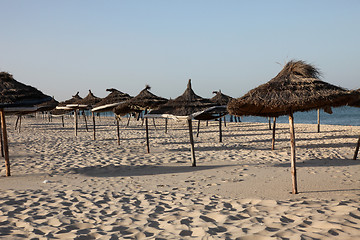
(61, 47)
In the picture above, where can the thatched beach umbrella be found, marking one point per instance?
(15, 95)
(69, 106)
(86, 103)
(188, 106)
(144, 101)
(296, 88)
(115, 98)
(221, 100)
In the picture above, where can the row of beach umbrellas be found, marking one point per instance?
(297, 87)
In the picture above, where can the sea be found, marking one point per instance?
(346, 116)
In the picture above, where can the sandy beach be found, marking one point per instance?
(67, 187)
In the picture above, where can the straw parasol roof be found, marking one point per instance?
(48, 105)
(112, 100)
(220, 98)
(296, 88)
(61, 107)
(185, 105)
(356, 101)
(144, 100)
(16, 94)
(90, 100)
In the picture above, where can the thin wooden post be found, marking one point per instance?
(154, 124)
(192, 143)
(83, 113)
(62, 120)
(269, 122)
(94, 130)
(318, 120)
(2, 142)
(220, 131)
(198, 129)
(118, 130)
(19, 127)
(231, 118)
(293, 160)
(17, 121)
(129, 116)
(6, 146)
(273, 135)
(357, 149)
(147, 135)
(75, 121)
(166, 124)
(224, 121)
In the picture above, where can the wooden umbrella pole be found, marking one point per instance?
(166, 124)
(2, 142)
(224, 121)
(154, 124)
(198, 129)
(94, 130)
(83, 113)
(62, 120)
(147, 135)
(293, 162)
(75, 121)
(357, 149)
(6, 146)
(19, 127)
(128, 120)
(17, 121)
(220, 130)
(269, 122)
(192, 143)
(273, 135)
(318, 120)
(118, 130)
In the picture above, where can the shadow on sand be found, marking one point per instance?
(131, 171)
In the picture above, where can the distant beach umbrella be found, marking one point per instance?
(14, 94)
(114, 99)
(296, 88)
(187, 106)
(144, 101)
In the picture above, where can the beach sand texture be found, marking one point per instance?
(67, 187)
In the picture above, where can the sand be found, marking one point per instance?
(67, 187)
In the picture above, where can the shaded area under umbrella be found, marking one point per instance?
(296, 88)
(15, 95)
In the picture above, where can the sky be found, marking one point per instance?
(61, 47)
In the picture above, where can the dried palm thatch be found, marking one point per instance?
(296, 88)
(61, 108)
(185, 105)
(220, 98)
(16, 94)
(356, 101)
(90, 100)
(143, 101)
(48, 105)
(112, 100)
